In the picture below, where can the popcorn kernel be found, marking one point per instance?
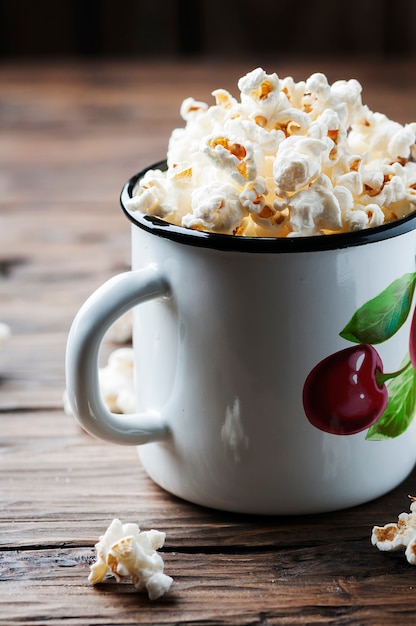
(242, 168)
(264, 90)
(261, 121)
(238, 150)
(266, 212)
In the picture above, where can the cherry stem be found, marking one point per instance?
(381, 377)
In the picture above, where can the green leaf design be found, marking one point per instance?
(380, 318)
(400, 409)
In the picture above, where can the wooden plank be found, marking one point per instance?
(32, 366)
(261, 587)
(52, 268)
(48, 272)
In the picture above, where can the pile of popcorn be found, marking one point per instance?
(128, 552)
(286, 159)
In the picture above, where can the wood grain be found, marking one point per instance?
(70, 136)
(255, 588)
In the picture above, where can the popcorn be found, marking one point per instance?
(260, 91)
(375, 134)
(215, 207)
(253, 196)
(297, 163)
(116, 383)
(154, 198)
(399, 536)
(232, 156)
(128, 552)
(343, 97)
(287, 159)
(190, 106)
(316, 206)
(363, 217)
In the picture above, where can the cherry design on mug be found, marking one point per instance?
(343, 394)
(348, 392)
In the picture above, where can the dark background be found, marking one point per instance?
(206, 28)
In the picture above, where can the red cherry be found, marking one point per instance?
(342, 395)
(412, 340)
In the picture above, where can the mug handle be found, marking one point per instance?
(103, 307)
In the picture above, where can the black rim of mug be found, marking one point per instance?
(188, 236)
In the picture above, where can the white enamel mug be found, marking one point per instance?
(227, 331)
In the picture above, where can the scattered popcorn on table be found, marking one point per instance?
(399, 536)
(288, 159)
(116, 382)
(128, 552)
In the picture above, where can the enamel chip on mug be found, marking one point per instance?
(127, 552)
(286, 137)
(398, 536)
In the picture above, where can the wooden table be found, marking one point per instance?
(71, 135)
